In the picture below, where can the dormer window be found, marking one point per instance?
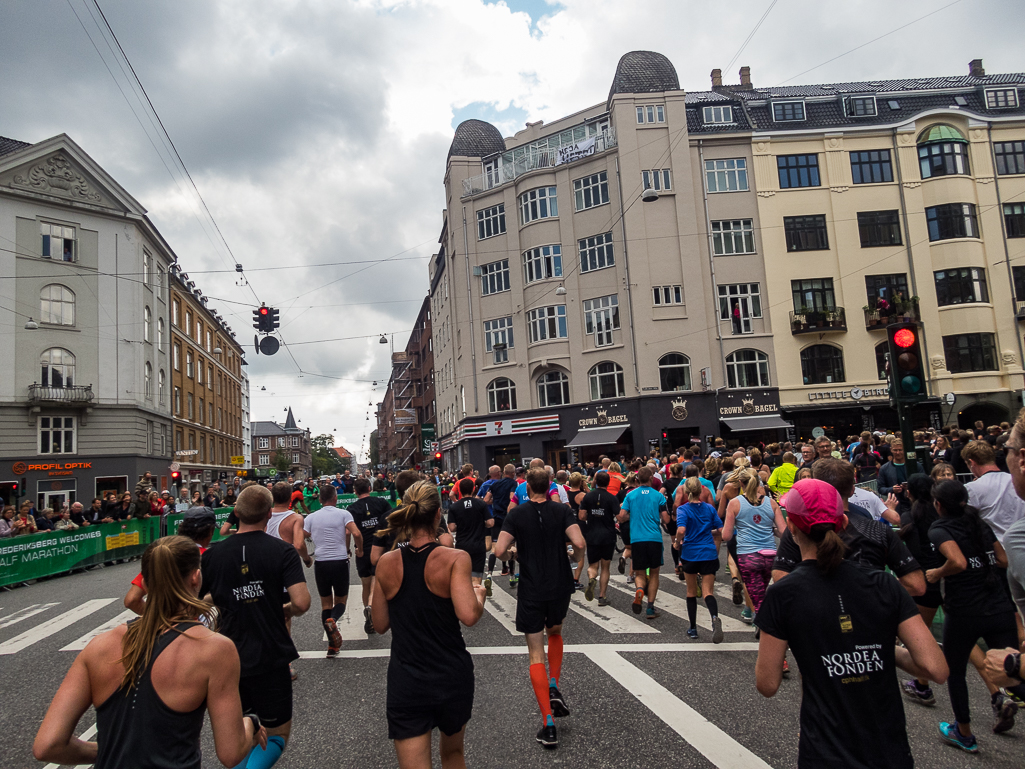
(1001, 98)
(860, 106)
(788, 111)
(723, 114)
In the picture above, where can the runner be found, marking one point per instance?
(422, 593)
(540, 528)
(330, 529)
(370, 514)
(501, 491)
(599, 509)
(646, 510)
(840, 622)
(383, 541)
(471, 521)
(245, 575)
(577, 491)
(152, 680)
(698, 533)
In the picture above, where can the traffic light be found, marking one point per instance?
(261, 319)
(272, 319)
(907, 367)
(175, 477)
(14, 490)
(665, 433)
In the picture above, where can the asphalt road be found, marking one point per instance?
(641, 693)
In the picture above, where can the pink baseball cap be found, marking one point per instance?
(810, 502)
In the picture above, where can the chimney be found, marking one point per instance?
(975, 68)
(745, 78)
(716, 78)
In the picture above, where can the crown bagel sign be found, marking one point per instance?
(603, 419)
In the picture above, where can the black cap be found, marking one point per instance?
(200, 515)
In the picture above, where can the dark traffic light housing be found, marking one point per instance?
(907, 362)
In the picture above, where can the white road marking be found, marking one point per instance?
(608, 617)
(24, 614)
(569, 648)
(350, 625)
(678, 607)
(708, 739)
(502, 607)
(55, 625)
(87, 735)
(82, 642)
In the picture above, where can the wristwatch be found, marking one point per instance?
(1012, 664)
(256, 721)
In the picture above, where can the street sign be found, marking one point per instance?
(435, 445)
(949, 399)
(238, 460)
(175, 467)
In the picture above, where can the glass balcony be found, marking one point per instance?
(818, 321)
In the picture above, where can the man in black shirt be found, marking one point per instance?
(244, 577)
(470, 520)
(500, 491)
(540, 528)
(370, 514)
(599, 509)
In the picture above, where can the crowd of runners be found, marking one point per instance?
(849, 579)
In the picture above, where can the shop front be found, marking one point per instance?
(849, 412)
(750, 418)
(54, 482)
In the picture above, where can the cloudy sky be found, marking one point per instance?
(317, 130)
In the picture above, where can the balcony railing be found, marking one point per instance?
(1019, 310)
(73, 394)
(818, 321)
(895, 312)
(539, 159)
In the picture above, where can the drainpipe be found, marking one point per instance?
(473, 328)
(629, 286)
(711, 265)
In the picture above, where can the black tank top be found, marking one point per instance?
(429, 662)
(136, 730)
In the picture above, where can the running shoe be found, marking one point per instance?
(514, 580)
(786, 669)
(368, 621)
(652, 612)
(505, 570)
(334, 638)
(738, 592)
(911, 690)
(758, 633)
(717, 634)
(1005, 710)
(291, 672)
(692, 633)
(950, 733)
(1013, 698)
(578, 586)
(332, 651)
(487, 586)
(603, 601)
(638, 600)
(548, 737)
(621, 566)
(747, 616)
(557, 702)
(589, 592)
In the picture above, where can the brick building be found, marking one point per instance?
(270, 437)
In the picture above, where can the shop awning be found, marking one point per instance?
(749, 424)
(597, 436)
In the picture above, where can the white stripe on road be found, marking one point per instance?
(24, 614)
(708, 739)
(569, 648)
(502, 607)
(55, 625)
(350, 626)
(607, 617)
(678, 608)
(87, 735)
(81, 643)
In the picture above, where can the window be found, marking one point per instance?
(1001, 98)
(674, 372)
(202, 410)
(192, 406)
(882, 355)
(739, 303)
(726, 175)
(57, 305)
(160, 387)
(147, 320)
(59, 242)
(722, 114)
(541, 263)
(596, 252)
(264, 443)
(494, 277)
(552, 389)
(295, 458)
(798, 171)
(56, 435)
(58, 368)
(547, 323)
(806, 233)
(1018, 277)
(606, 380)
(1010, 157)
(209, 377)
(822, 364)
(667, 295)
(501, 396)
(176, 357)
(952, 220)
(785, 111)
(942, 151)
(885, 287)
(146, 260)
(178, 401)
(734, 236)
(281, 443)
(160, 333)
(199, 373)
(147, 377)
(970, 352)
(295, 441)
(498, 338)
(591, 191)
(651, 113)
(861, 106)
(208, 338)
(601, 317)
(963, 285)
(491, 222)
(541, 203)
(656, 179)
(747, 368)
(879, 228)
(814, 295)
(871, 167)
(264, 460)
(188, 323)
(175, 312)
(188, 363)
(1014, 220)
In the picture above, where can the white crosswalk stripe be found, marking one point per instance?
(23, 614)
(53, 626)
(678, 608)
(79, 644)
(608, 617)
(350, 625)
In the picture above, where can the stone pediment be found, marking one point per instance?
(55, 174)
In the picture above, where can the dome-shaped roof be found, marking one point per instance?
(476, 139)
(941, 133)
(644, 72)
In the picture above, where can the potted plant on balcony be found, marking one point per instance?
(816, 318)
(871, 315)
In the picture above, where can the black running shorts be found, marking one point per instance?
(269, 695)
(332, 576)
(363, 566)
(601, 551)
(624, 532)
(477, 563)
(408, 721)
(535, 616)
(700, 567)
(646, 555)
(931, 599)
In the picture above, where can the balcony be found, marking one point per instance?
(818, 321)
(72, 395)
(897, 312)
(1019, 310)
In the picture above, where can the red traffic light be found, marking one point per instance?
(264, 310)
(437, 455)
(904, 337)
(175, 476)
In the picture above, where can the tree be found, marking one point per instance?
(282, 461)
(325, 459)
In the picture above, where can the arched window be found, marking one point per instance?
(747, 368)
(160, 387)
(58, 368)
(674, 372)
(147, 319)
(822, 364)
(881, 350)
(148, 380)
(606, 381)
(942, 150)
(57, 305)
(160, 332)
(501, 395)
(552, 389)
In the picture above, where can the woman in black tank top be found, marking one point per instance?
(149, 714)
(422, 592)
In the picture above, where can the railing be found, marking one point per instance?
(72, 394)
(537, 160)
(817, 321)
(1019, 310)
(880, 318)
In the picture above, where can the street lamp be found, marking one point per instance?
(31, 325)
(561, 290)
(218, 351)
(649, 195)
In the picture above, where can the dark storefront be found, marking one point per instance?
(751, 418)
(54, 481)
(843, 413)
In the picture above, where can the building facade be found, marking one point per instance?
(247, 429)
(271, 440)
(84, 385)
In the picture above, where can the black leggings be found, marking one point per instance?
(999, 631)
